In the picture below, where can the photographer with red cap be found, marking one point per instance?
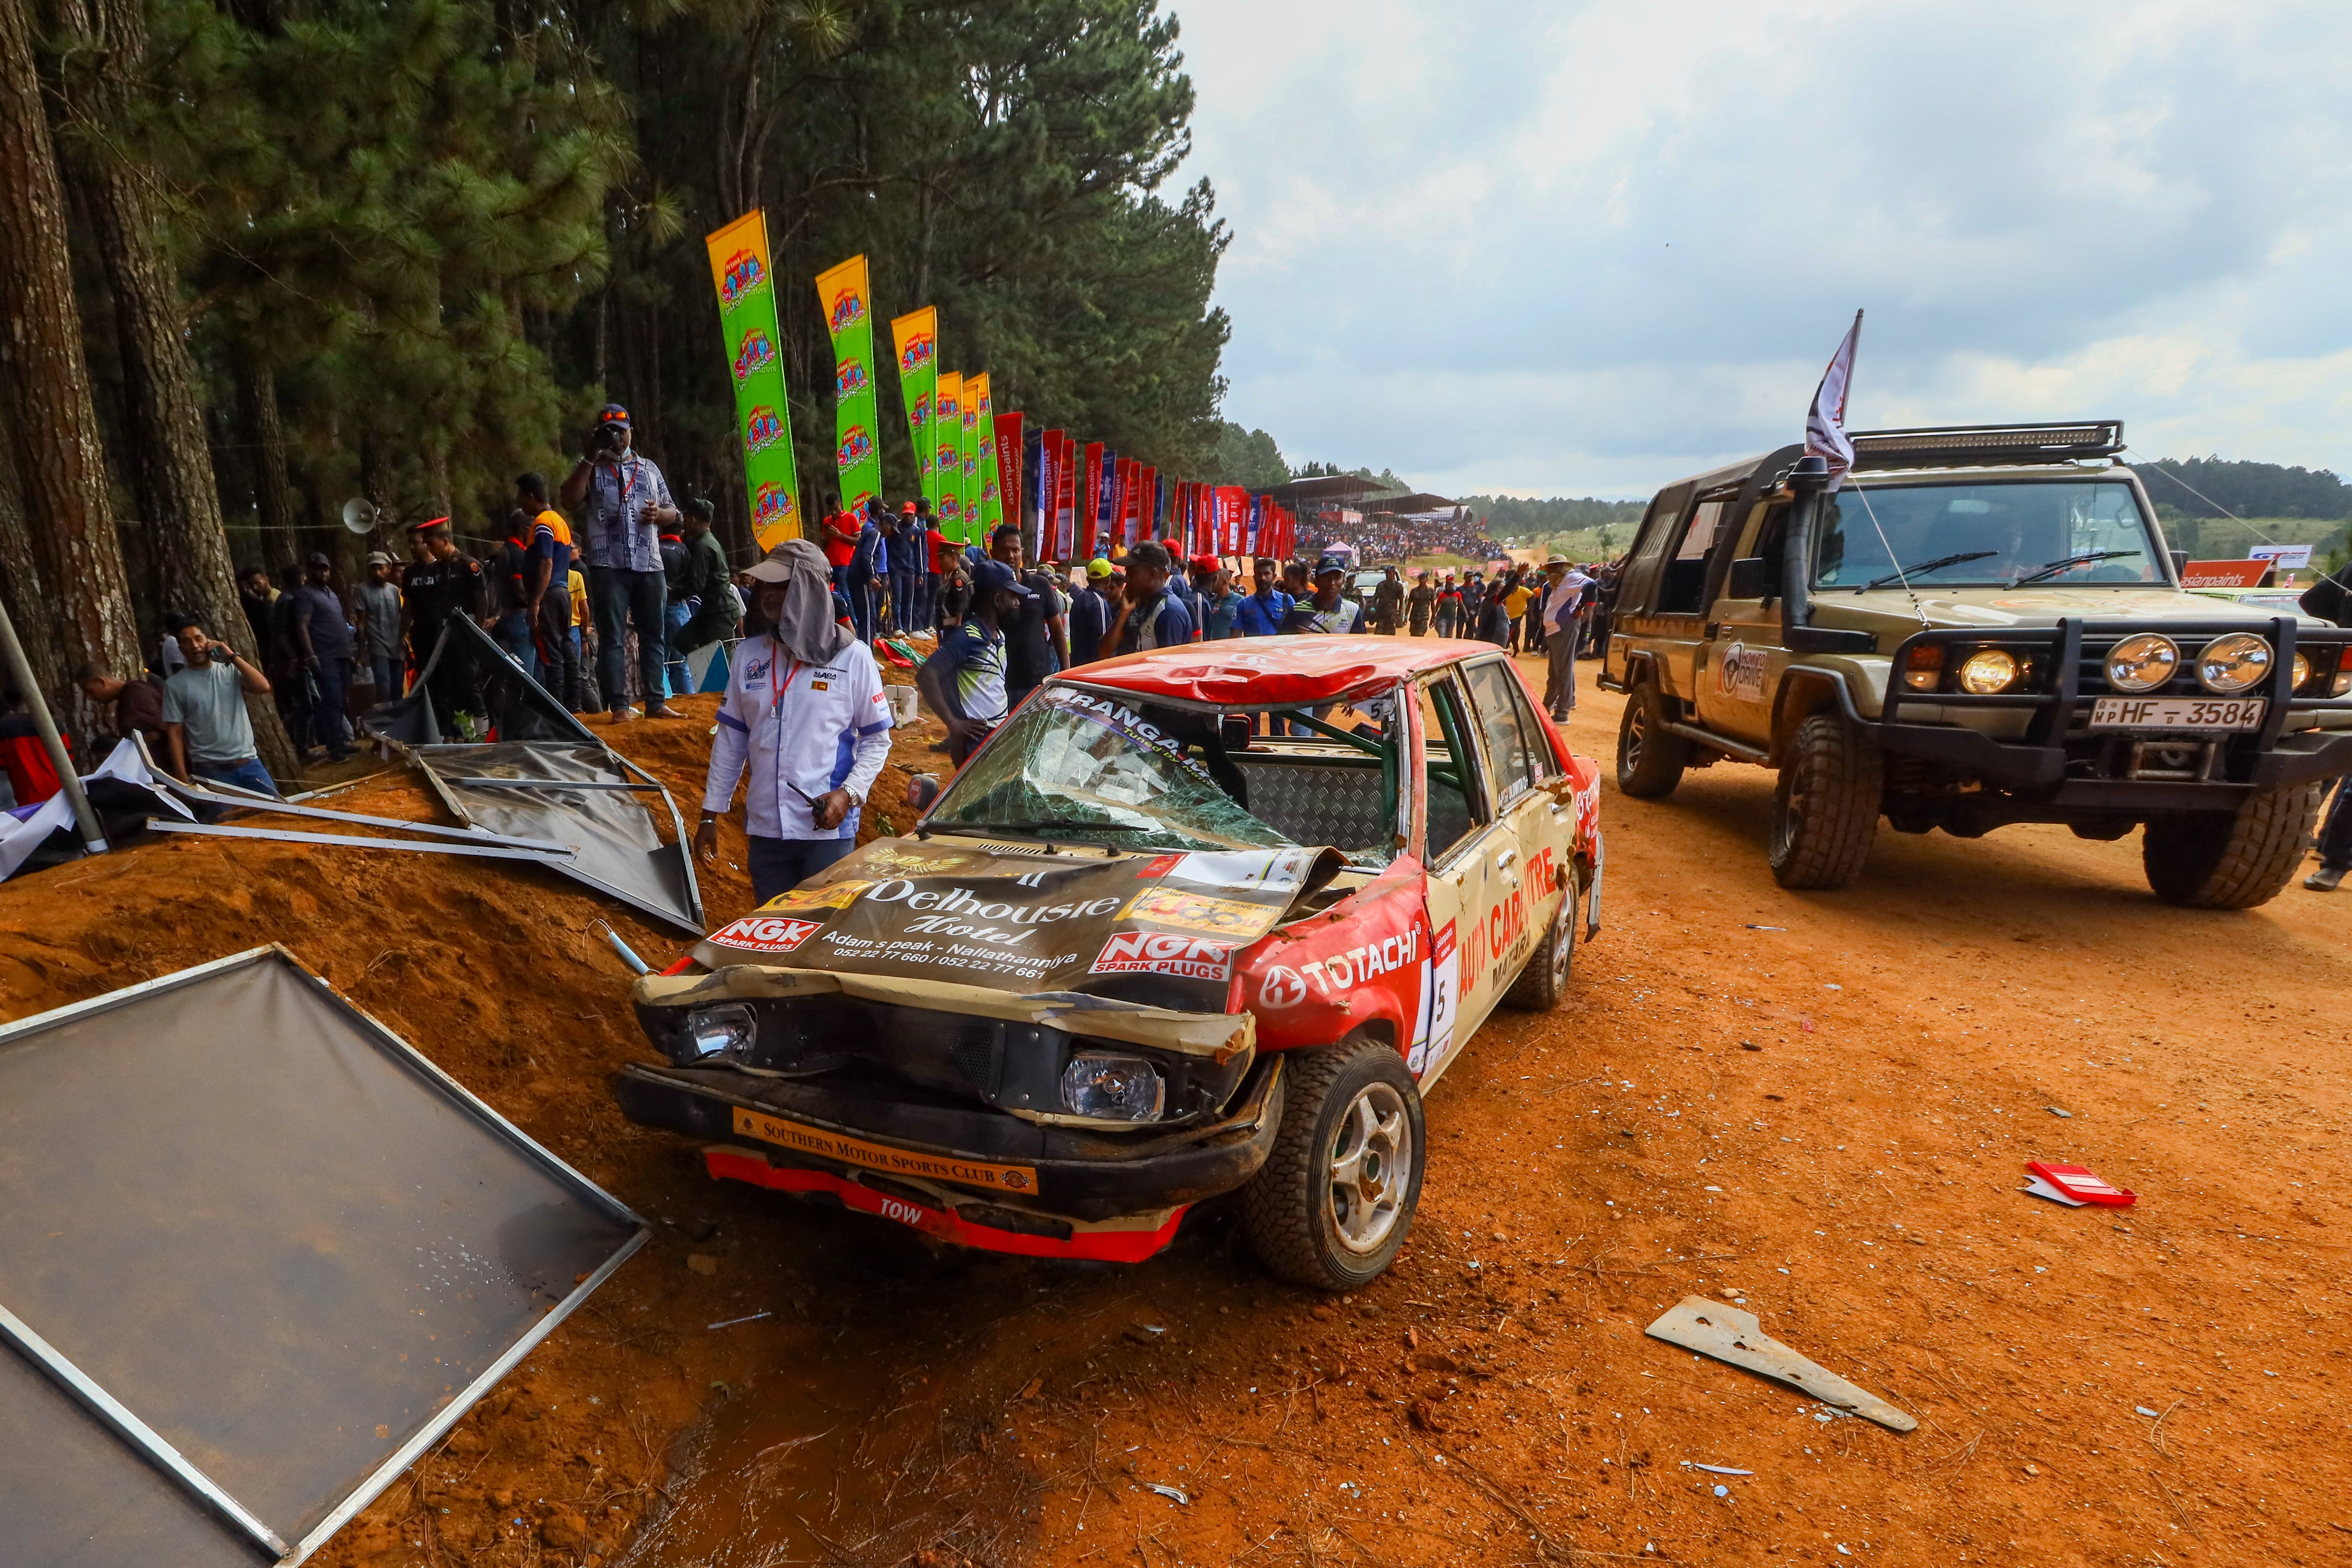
(628, 502)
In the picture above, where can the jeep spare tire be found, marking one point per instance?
(1826, 807)
(1332, 1204)
(2231, 859)
(1650, 760)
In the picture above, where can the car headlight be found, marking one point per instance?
(2302, 670)
(1988, 671)
(2142, 662)
(1113, 1088)
(720, 1032)
(2234, 662)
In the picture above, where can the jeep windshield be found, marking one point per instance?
(2020, 533)
(1076, 768)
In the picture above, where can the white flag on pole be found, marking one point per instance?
(1825, 421)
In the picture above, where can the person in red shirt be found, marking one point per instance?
(23, 757)
(840, 533)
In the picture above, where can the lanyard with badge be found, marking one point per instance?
(776, 689)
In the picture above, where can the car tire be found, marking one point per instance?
(1308, 1213)
(1650, 760)
(2231, 859)
(1543, 984)
(1825, 806)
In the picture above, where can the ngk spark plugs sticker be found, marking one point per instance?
(765, 934)
(1165, 952)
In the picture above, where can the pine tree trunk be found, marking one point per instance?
(20, 582)
(45, 397)
(264, 437)
(170, 460)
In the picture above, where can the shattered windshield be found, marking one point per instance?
(1092, 770)
(2024, 534)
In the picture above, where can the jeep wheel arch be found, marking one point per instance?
(1803, 693)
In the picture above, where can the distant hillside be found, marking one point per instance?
(2210, 487)
(1514, 517)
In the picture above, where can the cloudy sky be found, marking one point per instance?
(1586, 248)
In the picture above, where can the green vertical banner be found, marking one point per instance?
(971, 448)
(916, 336)
(857, 419)
(990, 476)
(947, 440)
(747, 315)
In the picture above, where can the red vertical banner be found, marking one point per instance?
(1147, 492)
(1131, 504)
(1232, 513)
(1090, 486)
(1013, 495)
(1119, 493)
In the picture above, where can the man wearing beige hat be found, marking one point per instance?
(375, 604)
(804, 710)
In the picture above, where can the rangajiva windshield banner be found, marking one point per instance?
(1159, 930)
(747, 315)
(988, 493)
(917, 338)
(947, 443)
(856, 420)
(973, 385)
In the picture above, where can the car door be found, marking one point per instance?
(1525, 861)
(1740, 666)
(1459, 836)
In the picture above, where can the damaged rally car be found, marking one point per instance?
(1138, 954)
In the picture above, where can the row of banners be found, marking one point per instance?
(1087, 500)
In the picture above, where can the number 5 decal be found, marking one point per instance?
(1441, 985)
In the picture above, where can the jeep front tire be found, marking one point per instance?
(2231, 859)
(1826, 807)
(1333, 1203)
(1650, 760)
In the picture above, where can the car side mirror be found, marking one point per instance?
(1752, 578)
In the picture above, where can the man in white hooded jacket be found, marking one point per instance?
(805, 708)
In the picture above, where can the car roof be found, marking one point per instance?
(1253, 671)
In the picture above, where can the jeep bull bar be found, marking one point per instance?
(2062, 677)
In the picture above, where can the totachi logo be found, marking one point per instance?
(766, 933)
(1282, 988)
(1163, 953)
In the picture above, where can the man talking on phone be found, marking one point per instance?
(628, 502)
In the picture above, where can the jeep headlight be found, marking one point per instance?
(1113, 1088)
(720, 1033)
(2302, 668)
(2234, 662)
(1988, 671)
(2142, 662)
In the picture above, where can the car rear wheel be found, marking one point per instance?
(1650, 760)
(1826, 807)
(1543, 984)
(1335, 1200)
(2231, 859)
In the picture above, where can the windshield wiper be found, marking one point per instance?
(2071, 563)
(1935, 565)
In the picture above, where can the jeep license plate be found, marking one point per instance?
(2178, 713)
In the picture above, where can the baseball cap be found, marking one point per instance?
(1331, 564)
(612, 413)
(317, 559)
(992, 575)
(908, 509)
(1207, 562)
(1098, 568)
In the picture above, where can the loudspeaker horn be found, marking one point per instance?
(360, 514)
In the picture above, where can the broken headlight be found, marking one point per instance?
(1113, 1088)
(720, 1034)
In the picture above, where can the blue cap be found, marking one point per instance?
(990, 576)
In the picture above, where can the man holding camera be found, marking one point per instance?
(627, 502)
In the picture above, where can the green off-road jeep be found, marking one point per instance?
(1981, 626)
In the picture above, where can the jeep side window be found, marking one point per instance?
(1685, 583)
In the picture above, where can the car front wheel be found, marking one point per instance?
(1825, 808)
(2231, 859)
(1334, 1202)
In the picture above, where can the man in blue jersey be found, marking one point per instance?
(1329, 610)
(964, 681)
(1147, 614)
(805, 708)
(1260, 612)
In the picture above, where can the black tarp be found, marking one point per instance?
(279, 1238)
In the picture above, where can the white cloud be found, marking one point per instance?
(1591, 247)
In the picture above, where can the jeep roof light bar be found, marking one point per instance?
(1979, 446)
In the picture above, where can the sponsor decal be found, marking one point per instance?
(1158, 865)
(806, 1140)
(755, 355)
(1168, 906)
(744, 273)
(1739, 672)
(1281, 988)
(762, 428)
(765, 934)
(848, 309)
(1165, 952)
(920, 350)
(825, 896)
(921, 415)
(773, 505)
(855, 448)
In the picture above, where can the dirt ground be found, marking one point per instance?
(1818, 1104)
